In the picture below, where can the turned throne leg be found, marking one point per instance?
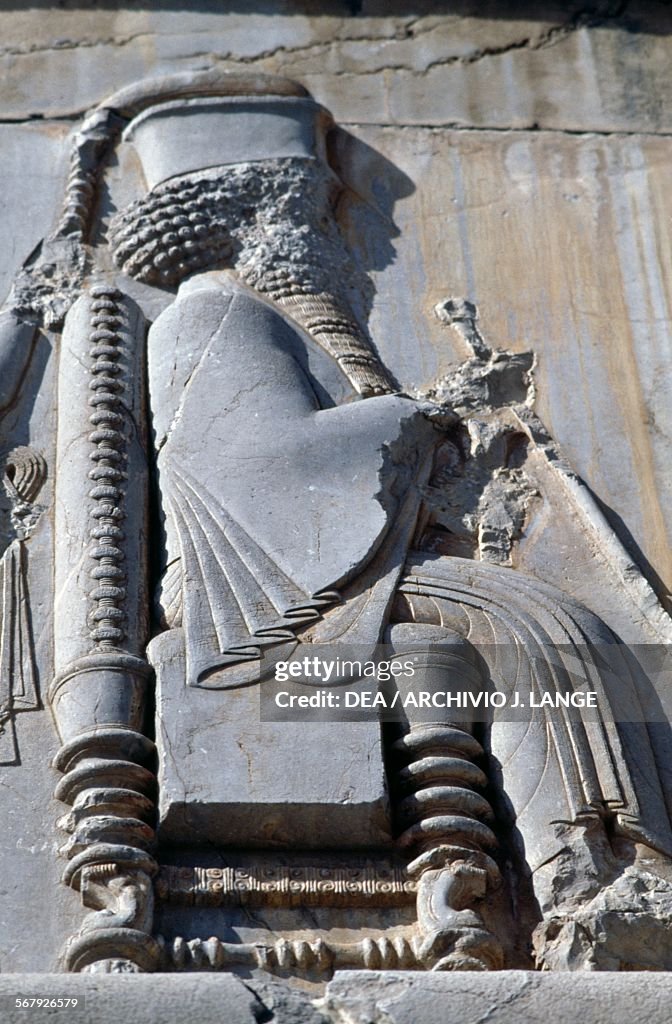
(443, 818)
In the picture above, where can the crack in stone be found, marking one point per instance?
(262, 1013)
(50, 119)
(533, 128)
(400, 29)
(76, 44)
(501, 1004)
(277, 1004)
(589, 18)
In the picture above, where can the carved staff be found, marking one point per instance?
(98, 696)
(99, 693)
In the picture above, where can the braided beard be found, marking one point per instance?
(270, 220)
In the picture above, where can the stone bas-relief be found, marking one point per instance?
(24, 473)
(236, 472)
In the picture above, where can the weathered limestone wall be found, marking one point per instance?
(506, 997)
(598, 66)
(519, 158)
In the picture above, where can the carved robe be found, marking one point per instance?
(276, 500)
(273, 496)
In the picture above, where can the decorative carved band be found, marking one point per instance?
(279, 885)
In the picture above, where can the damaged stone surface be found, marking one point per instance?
(611, 931)
(479, 491)
(507, 997)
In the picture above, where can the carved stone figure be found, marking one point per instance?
(237, 473)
